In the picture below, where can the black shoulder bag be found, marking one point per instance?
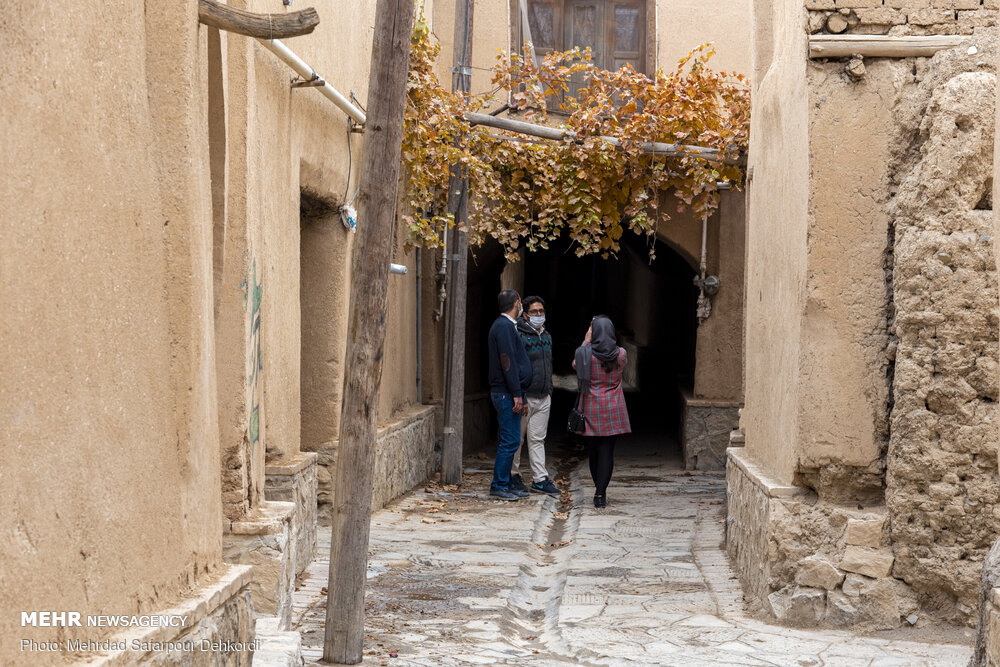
(577, 422)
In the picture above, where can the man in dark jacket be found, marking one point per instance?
(510, 376)
(538, 397)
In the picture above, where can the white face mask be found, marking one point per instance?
(519, 309)
(537, 321)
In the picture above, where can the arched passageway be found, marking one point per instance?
(652, 304)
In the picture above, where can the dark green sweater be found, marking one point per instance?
(539, 349)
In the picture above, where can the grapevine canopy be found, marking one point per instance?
(528, 192)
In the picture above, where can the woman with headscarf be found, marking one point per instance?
(599, 364)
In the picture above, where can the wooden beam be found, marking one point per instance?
(881, 46)
(558, 134)
(261, 26)
(354, 465)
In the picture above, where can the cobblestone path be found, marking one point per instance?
(456, 579)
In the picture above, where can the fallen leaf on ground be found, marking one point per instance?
(426, 520)
(561, 515)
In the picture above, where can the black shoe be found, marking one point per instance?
(519, 494)
(600, 501)
(503, 495)
(516, 483)
(547, 487)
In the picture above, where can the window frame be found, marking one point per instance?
(647, 40)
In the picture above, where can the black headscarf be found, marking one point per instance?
(603, 345)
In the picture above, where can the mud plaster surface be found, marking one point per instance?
(941, 480)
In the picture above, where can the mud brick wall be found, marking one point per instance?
(942, 484)
(901, 17)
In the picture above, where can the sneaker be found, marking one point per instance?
(504, 495)
(546, 486)
(516, 483)
(600, 501)
(519, 494)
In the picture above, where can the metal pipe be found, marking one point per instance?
(399, 269)
(704, 247)
(309, 74)
(420, 328)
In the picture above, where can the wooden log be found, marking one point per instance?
(836, 23)
(261, 26)
(881, 46)
(558, 134)
(355, 461)
(458, 203)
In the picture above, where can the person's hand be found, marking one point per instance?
(518, 405)
(586, 339)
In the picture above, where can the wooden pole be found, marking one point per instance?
(558, 134)
(355, 458)
(881, 46)
(458, 202)
(261, 26)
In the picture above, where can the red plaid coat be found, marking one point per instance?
(604, 406)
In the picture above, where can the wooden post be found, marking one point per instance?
(261, 26)
(355, 458)
(458, 202)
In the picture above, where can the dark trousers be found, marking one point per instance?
(602, 460)
(508, 439)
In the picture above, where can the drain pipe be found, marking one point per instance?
(311, 78)
(420, 329)
(442, 277)
(708, 286)
(704, 308)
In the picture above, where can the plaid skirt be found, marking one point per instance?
(604, 406)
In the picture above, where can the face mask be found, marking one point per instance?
(519, 310)
(537, 321)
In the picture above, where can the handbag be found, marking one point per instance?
(577, 422)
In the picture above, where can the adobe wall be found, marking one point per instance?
(110, 476)
(777, 219)
(901, 17)
(294, 180)
(942, 483)
(871, 383)
(682, 25)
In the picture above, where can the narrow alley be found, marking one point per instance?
(456, 578)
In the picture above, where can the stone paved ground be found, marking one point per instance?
(456, 579)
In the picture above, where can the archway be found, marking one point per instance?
(652, 304)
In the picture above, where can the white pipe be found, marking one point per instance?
(398, 268)
(308, 74)
(704, 247)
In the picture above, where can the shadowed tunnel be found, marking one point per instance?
(652, 305)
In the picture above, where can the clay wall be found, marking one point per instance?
(110, 475)
(900, 17)
(871, 346)
(777, 214)
(843, 384)
(685, 24)
(942, 483)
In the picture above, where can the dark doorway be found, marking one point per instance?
(652, 305)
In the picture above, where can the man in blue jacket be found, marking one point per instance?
(510, 376)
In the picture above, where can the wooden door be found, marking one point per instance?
(584, 26)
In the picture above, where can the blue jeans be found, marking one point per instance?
(508, 439)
